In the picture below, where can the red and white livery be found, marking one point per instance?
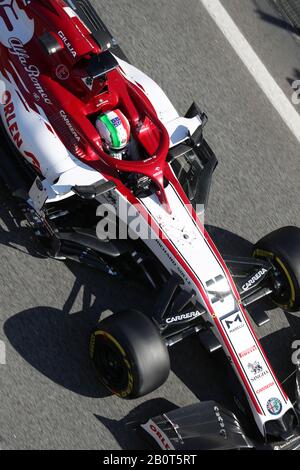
(57, 77)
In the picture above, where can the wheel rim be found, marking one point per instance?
(286, 298)
(111, 365)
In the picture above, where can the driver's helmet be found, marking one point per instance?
(114, 130)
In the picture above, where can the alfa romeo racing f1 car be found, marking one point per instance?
(84, 130)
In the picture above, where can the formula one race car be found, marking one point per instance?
(88, 137)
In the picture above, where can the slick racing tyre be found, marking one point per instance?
(283, 248)
(129, 354)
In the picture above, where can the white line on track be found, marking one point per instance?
(255, 66)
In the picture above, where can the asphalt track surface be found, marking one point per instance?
(49, 395)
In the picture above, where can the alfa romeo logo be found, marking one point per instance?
(274, 406)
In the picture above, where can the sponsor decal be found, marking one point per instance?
(184, 316)
(252, 281)
(17, 48)
(274, 406)
(235, 324)
(33, 72)
(255, 368)
(157, 173)
(294, 442)
(89, 81)
(248, 351)
(265, 387)
(62, 72)
(173, 261)
(67, 44)
(116, 121)
(68, 123)
(257, 371)
(158, 435)
(10, 118)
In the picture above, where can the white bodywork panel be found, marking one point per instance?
(163, 106)
(181, 128)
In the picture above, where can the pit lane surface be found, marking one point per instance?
(49, 395)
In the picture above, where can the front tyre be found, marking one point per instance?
(282, 247)
(129, 354)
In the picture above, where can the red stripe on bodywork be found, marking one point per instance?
(213, 247)
(263, 353)
(144, 212)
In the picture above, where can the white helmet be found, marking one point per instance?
(114, 129)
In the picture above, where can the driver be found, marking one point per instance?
(114, 130)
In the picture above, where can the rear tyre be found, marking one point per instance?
(283, 248)
(129, 354)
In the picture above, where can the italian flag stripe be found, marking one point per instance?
(113, 132)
